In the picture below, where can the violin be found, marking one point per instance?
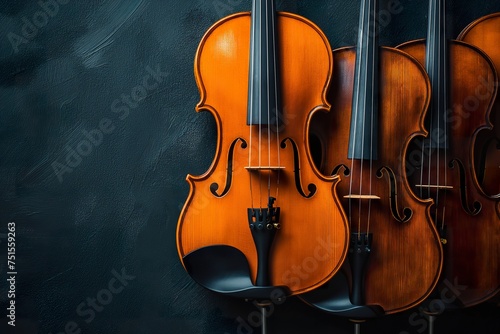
(442, 166)
(485, 34)
(258, 214)
(379, 97)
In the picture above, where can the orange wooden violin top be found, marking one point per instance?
(485, 34)
(256, 162)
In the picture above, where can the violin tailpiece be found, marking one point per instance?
(359, 251)
(263, 223)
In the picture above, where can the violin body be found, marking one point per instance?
(406, 256)
(466, 218)
(311, 243)
(485, 34)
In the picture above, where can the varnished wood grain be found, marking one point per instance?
(406, 257)
(312, 242)
(485, 34)
(472, 250)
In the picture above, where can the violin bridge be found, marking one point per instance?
(434, 186)
(362, 196)
(259, 168)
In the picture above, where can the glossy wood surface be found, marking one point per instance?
(312, 242)
(467, 218)
(485, 34)
(405, 259)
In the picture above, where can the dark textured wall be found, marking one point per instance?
(97, 134)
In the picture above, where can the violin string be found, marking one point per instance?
(373, 106)
(355, 109)
(260, 114)
(361, 160)
(250, 99)
(431, 71)
(429, 158)
(364, 111)
(268, 107)
(432, 74)
(445, 83)
(276, 100)
(429, 61)
(439, 105)
(426, 143)
(442, 105)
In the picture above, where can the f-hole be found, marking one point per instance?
(393, 196)
(463, 189)
(483, 156)
(229, 170)
(311, 187)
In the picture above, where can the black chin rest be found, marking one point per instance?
(224, 269)
(333, 297)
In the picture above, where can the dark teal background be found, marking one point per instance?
(113, 211)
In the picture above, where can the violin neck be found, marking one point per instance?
(364, 115)
(436, 63)
(263, 89)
